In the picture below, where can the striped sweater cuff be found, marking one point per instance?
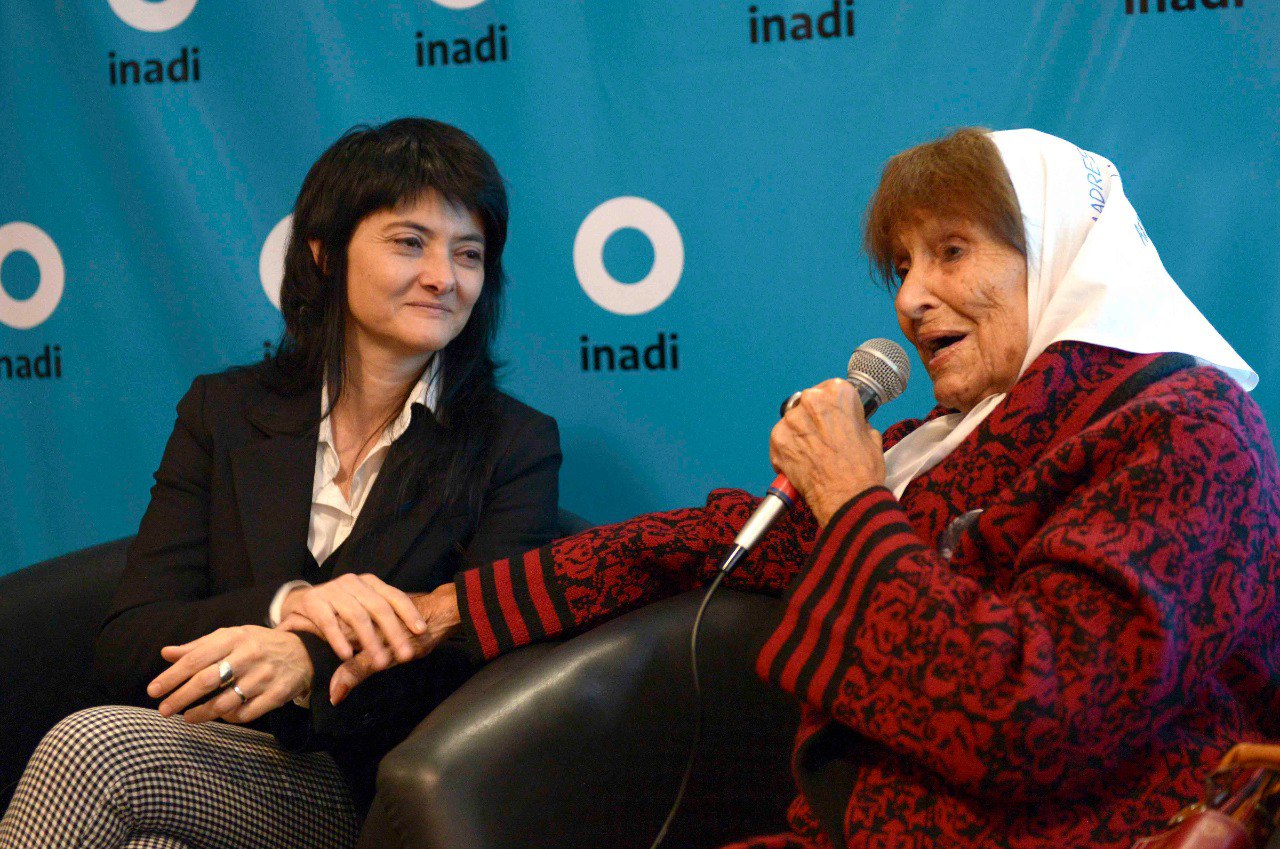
(510, 603)
(864, 538)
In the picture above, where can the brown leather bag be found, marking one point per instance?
(1235, 813)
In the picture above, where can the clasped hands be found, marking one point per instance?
(370, 624)
(826, 448)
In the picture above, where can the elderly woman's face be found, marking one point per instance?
(963, 304)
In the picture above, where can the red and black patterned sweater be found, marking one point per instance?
(1106, 629)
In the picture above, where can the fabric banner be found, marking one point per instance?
(687, 181)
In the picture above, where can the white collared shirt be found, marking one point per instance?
(333, 514)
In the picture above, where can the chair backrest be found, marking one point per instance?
(571, 523)
(49, 618)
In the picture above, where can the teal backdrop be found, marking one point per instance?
(150, 148)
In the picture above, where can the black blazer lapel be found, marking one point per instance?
(273, 479)
(390, 522)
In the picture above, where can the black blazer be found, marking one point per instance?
(227, 525)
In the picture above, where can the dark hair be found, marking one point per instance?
(957, 176)
(367, 170)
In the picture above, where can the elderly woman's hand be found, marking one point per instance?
(360, 609)
(439, 608)
(271, 667)
(826, 448)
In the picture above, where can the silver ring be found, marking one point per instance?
(235, 688)
(225, 675)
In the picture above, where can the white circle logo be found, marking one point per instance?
(271, 260)
(668, 255)
(26, 314)
(152, 15)
(458, 4)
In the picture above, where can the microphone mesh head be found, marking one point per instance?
(883, 362)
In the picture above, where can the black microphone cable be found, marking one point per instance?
(878, 371)
(697, 707)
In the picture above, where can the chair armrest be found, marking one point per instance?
(582, 743)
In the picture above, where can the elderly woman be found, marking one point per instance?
(1035, 618)
(372, 457)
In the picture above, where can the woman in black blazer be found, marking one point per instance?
(336, 487)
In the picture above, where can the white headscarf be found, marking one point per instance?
(1092, 276)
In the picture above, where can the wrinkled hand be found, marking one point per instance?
(439, 609)
(356, 609)
(271, 668)
(826, 448)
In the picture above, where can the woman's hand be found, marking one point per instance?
(271, 667)
(439, 609)
(826, 448)
(362, 608)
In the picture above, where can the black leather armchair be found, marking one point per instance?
(49, 619)
(582, 743)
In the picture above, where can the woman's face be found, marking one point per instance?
(963, 304)
(413, 275)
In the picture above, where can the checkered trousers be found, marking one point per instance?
(127, 777)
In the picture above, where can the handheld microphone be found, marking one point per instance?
(878, 371)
